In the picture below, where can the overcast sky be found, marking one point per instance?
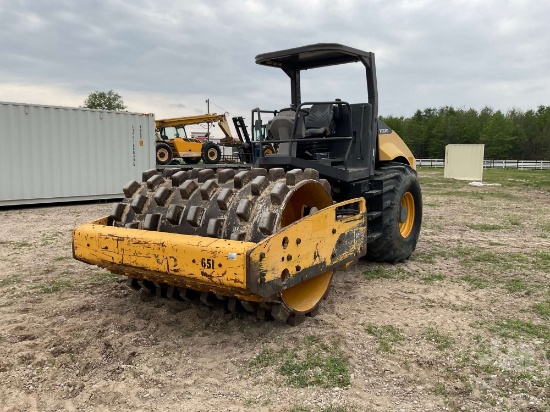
(168, 57)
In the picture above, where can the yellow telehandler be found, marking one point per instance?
(341, 186)
(179, 146)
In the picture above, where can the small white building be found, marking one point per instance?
(464, 161)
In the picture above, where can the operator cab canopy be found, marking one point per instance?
(315, 55)
(292, 61)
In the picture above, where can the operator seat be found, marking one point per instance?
(320, 120)
(280, 128)
(281, 125)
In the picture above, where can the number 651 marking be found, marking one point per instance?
(207, 263)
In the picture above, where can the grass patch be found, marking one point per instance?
(477, 195)
(432, 277)
(437, 181)
(21, 244)
(494, 262)
(98, 278)
(387, 336)
(265, 358)
(107, 275)
(314, 369)
(440, 389)
(504, 369)
(497, 194)
(542, 260)
(249, 401)
(542, 309)
(488, 257)
(310, 363)
(462, 253)
(515, 222)
(515, 328)
(379, 272)
(329, 408)
(460, 308)
(53, 286)
(475, 282)
(11, 280)
(442, 341)
(65, 273)
(48, 238)
(517, 285)
(536, 179)
(485, 227)
(425, 257)
(453, 193)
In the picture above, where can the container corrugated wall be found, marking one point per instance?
(55, 154)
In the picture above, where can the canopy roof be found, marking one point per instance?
(315, 55)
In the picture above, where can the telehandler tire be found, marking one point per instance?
(211, 153)
(402, 215)
(164, 153)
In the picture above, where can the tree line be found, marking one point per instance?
(511, 135)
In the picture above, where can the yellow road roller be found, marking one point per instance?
(342, 185)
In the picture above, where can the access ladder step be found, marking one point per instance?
(373, 236)
(372, 193)
(373, 215)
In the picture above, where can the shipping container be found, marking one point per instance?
(61, 154)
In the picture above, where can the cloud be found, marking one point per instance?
(169, 57)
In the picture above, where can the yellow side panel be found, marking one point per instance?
(391, 146)
(322, 239)
(202, 260)
(183, 145)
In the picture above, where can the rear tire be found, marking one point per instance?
(211, 153)
(164, 153)
(402, 215)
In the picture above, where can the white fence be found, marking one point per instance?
(493, 163)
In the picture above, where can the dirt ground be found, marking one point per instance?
(463, 325)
